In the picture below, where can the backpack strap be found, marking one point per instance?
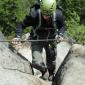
(34, 11)
(55, 23)
(54, 20)
(39, 22)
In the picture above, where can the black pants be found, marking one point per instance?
(37, 60)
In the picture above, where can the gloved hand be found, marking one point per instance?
(16, 41)
(59, 38)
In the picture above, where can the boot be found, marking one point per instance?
(51, 75)
(45, 75)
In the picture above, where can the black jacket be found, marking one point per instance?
(33, 20)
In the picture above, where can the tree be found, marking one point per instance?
(82, 12)
(7, 16)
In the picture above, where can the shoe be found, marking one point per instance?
(45, 75)
(51, 77)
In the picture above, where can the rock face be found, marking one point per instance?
(25, 50)
(14, 77)
(3, 38)
(10, 60)
(63, 49)
(15, 70)
(72, 71)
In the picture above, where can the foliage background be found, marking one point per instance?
(14, 11)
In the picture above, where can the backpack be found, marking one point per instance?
(33, 9)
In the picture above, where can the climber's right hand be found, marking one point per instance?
(59, 38)
(15, 41)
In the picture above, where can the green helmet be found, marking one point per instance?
(48, 6)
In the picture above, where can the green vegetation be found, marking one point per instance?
(14, 11)
(77, 32)
(7, 16)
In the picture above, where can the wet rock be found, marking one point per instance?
(15, 77)
(10, 60)
(72, 71)
(16, 70)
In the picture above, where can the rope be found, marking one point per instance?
(29, 40)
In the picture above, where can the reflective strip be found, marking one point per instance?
(39, 23)
(54, 19)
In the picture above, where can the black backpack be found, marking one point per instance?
(35, 7)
